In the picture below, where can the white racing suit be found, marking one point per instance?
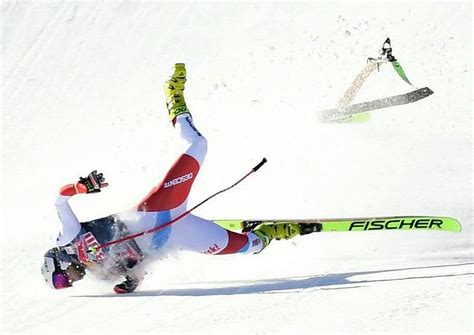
(165, 202)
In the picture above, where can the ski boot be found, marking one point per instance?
(128, 286)
(174, 88)
(285, 231)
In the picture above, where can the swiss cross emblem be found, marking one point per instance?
(88, 242)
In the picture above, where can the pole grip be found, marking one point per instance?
(255, 169)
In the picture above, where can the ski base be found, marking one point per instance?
(336, 114)
(356, 224)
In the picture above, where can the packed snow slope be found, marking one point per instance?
(82, 90)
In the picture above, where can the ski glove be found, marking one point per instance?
(93, 182)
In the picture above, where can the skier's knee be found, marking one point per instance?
(201, 143)
(198, 149)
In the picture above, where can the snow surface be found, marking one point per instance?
(82, 90)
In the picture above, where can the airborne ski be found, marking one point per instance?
(347, 112)
(396, 100)
(436, 223)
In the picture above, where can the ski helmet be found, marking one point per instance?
(59, 265)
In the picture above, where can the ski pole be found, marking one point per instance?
(179, 217)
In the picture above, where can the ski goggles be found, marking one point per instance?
(61, 280)
(65, 278)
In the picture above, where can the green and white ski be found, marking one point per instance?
(436, 223)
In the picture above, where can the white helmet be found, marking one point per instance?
(60, 268)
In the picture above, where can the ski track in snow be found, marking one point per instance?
(80, 75)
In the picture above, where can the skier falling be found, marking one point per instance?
(70, 260)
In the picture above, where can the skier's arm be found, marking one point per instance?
(70, 224)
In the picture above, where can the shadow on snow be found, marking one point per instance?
(283, 285)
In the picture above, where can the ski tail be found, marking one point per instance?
(434, 223)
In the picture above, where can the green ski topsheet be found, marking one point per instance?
(361, 224)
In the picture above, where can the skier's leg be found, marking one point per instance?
(172, 193)
(196, 142)
(193, 233)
